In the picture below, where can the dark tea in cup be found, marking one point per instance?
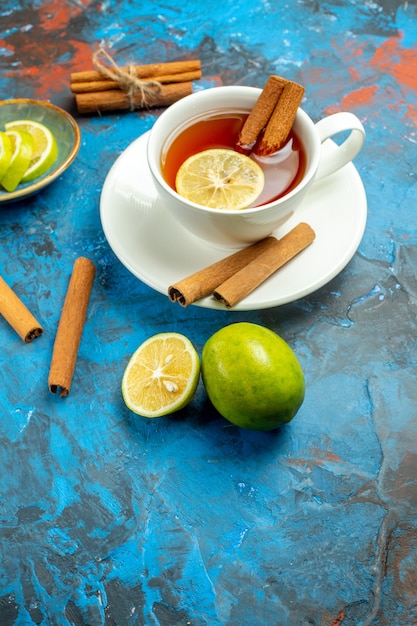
(283, 171)
(233, 228)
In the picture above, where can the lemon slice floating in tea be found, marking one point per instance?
(22, 150)
(219, 178)
(161, 376)
(45, 149)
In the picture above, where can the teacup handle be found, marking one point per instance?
(339, 155)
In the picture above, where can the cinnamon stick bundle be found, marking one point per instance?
(70, 327)
(17, 315)
(117, 100)
(150, 71)
(202, 283)
(105, 84)
(112, 88)
(243, 282)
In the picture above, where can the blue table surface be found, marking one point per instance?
(107, 518)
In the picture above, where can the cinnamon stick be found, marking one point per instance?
(243, 282)
(117, 100)
(104, 83)
(17, 315)
(203, 282)
(260, 114)
(70, 327)
(152, 70)
(281, 120)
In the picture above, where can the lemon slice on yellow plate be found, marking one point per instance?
(45, 149)
(22, 145)
(219, 178)
(161, 376)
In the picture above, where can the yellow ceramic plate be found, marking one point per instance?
(63, 126)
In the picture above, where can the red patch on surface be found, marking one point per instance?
(6, 45)
(82, 56)
(390, 59)
(412, 114)
(399, 62)
(359, 97)
(56, 15)
(57, 77)
(339, 619)
(354, 99)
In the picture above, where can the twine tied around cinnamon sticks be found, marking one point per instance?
(113, 88)
(127, 80)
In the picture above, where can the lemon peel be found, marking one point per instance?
(6, 151)
(45, 147)
(22, 144)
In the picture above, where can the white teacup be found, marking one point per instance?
(230, 227)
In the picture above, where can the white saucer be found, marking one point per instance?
(156, 249)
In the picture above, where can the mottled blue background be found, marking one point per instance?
(110, 519)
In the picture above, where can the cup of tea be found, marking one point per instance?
(213, 118)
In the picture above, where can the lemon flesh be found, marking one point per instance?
(220, 179)
(45, 148)
(161, 376)
(252, 376)
(6, 151)
(22, 145)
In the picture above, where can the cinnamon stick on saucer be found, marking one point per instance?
(70, 328)
(202, 283)
(243, 282)
(259, 116)
(18, 316)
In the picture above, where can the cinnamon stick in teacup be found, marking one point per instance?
(70, 327)
(17, 315)
(202, 283)
(243, 282)
(281, 121)
(259, 116)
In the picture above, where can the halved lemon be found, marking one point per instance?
(6, 151)
(45, 148)
(220, 179)
(22, 146)
(161, 376)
